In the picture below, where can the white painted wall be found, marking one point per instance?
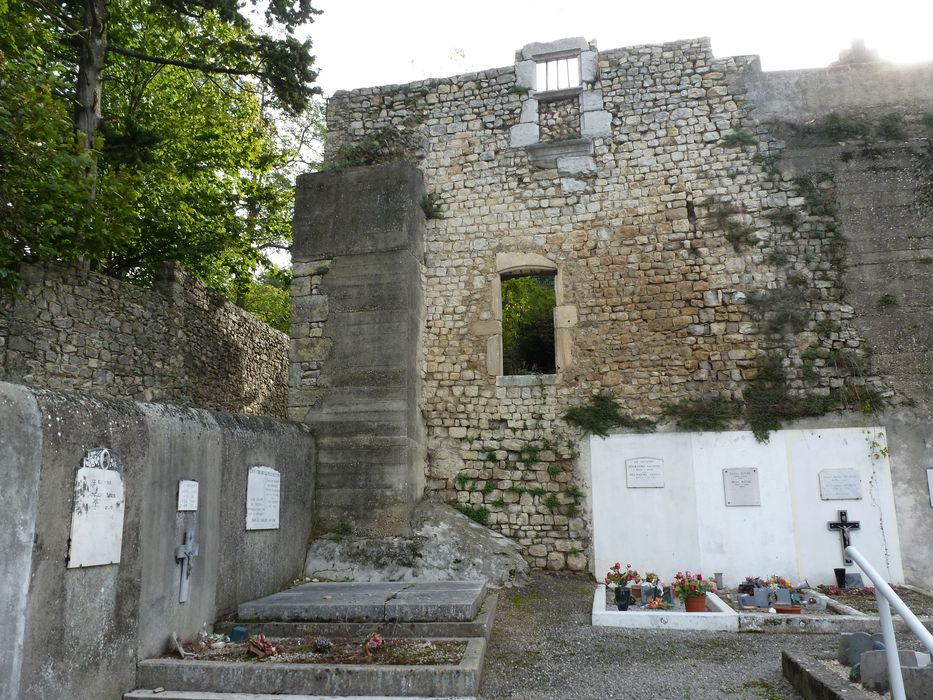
(687, 525)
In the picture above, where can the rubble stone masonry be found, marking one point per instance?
(683, 256)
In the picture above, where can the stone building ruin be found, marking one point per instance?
(715, 233)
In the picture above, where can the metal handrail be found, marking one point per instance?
(886, 597)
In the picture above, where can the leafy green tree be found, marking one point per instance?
(528, 324)
(188, 162)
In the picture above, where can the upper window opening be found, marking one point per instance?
(528, 302)
(558, 74)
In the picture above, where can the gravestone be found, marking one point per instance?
(644, 473)
(853, 644)
(97, 511)
(741, 486)
(187, 496)
(263, 495)
(840, 485)
(874, 667)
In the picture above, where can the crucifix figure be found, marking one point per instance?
(184, 553)
(843, 526)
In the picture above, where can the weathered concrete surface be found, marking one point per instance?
(20, 462)
(86, 628)
(815, 682)
(801, 95)
(480, 626)
(367, 601)
(446, 545)
(199, 695)
(357, 319)
(408, 681)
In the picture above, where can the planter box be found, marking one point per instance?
(318, 679)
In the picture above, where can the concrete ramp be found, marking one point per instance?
(435, 601)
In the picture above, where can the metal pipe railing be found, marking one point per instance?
(886, 597)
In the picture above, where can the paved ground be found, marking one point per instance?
(544, 647)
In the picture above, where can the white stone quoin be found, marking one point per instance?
(689, 524)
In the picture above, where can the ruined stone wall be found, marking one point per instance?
(686, 262)
(65, 328)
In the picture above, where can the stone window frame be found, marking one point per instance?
(544, 60)
(595, 121)
(565, 318)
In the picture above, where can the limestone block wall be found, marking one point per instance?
(65, 328)
(684, 256)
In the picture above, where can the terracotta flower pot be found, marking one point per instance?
(695, 603)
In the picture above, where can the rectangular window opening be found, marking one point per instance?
(528, 302)
(558, 74)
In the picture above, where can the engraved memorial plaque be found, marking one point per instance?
(644, 473)
(840, 484)
(97, 511)
(262, 499)
(187, 495)
(741, 486)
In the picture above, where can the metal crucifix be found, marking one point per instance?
(184, 553)
(843, 526)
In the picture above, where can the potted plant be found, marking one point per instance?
(692, 590)
(651, 586)
(621, 580)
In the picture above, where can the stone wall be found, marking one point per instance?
(66, 328)
(78, 632)
(686, 259)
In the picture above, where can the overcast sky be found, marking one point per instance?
(360, 43)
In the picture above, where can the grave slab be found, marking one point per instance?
(875, 667)
(437, 601)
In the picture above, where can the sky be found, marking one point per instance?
(361, 43)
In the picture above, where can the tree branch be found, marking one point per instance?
(190, 65)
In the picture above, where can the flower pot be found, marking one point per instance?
(636, 591)
(695, 603)
(623, 597)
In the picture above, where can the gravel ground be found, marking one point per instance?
(543, 646)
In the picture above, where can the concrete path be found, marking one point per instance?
(194, 695)
(440, 601)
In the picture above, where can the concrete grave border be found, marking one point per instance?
(446, 680)
(722, 618)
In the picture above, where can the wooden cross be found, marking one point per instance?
(843, 526)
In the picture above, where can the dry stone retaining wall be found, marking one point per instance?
(70, 329)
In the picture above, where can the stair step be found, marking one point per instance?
(145, 694)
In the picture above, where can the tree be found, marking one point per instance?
(189, 165)
(528, 324)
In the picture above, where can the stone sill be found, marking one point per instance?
(553, 95)
(526, 380)
(546, 154)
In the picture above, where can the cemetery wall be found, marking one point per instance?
(685, 256)
(66, 328)
(79, 632)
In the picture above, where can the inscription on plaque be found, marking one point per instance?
(262, 499)
(187, 495)
(97, 513)
(741, 486)
(644, 473)
(840, 485)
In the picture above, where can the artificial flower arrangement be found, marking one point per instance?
(778, 582)
(616, 576)
(688, 585)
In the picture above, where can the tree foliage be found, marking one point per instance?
(203, 122)
(528, 324)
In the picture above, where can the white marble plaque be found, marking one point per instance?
(262, 499)
(741, 486)
(840, 485)
(187, 495)
(644, 473)
(97, 515)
